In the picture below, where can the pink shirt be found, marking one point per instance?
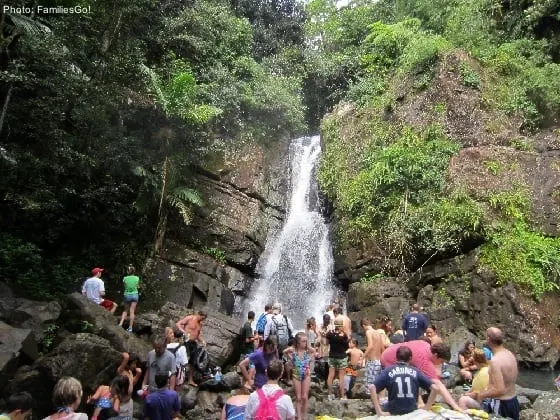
(421, 357)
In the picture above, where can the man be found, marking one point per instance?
(414, 324)
(191, 325)
(18, 406)
(500, 397)
(402, 382)
(280, 326)
(248, 339)
(284, 405)
(162, 404)
(160, 361)
(372, 354)
(424, 357)
(346, 322)
(261, 322)
(94, 290)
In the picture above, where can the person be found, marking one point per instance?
(248, 338)
(323, 348)
(128, 368)
(102, 398)
(402, 382)
(260, 359)
(500, 396)
(191, 325)
(372, 355)
(384, 328)
(234, 408)
(338, 344)
(337, 311)
(271, 391)
(414, 324)
(466, 362)
(18, 406)
(425, 357)
(280, 326)
(302, 357)
(177, 346)
(311, 331)
(160, 361)
(94, 290)
(487, 351)
(130, 300)
(67, 395)
(262, 321)
(163, 403)
(355, 362)
(480, 381)
(432, 334)
(121, 390)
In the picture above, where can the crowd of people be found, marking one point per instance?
(396, 362)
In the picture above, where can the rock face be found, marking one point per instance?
(211, 261)
(17, 346)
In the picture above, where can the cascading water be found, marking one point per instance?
(296, 268)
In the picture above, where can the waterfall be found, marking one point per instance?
(296, 267)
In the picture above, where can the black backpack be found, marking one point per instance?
(201, 359)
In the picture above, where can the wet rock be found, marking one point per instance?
(188, 400)
(547, 404)
(35, 315)
(531, 394)
(524, 402)
(209, 401)
(232, 380)
(17, 346)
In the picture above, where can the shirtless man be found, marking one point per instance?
(191, 325)
(346, 322)
(372, 355)
(499, 398)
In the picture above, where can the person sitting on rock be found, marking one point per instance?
(271, 393)
(402, 382)
(191, 326)
(466, 363)
(355, 363)
(260, 359)
(160, 361)
(67, 396)
(18, 406)
(432, 334)
(480, 381)
(425, 357)
(163, 403)
(94, 290)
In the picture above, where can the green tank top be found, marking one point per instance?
(131, 285)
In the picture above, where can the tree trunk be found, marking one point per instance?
(162, 210)
(5, 108)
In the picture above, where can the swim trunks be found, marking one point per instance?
(505, 408)
(373, 369)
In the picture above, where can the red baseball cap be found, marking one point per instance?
(96, 271)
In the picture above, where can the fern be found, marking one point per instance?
(183, 199)
(25, 25)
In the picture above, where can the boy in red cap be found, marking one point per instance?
(94, 290)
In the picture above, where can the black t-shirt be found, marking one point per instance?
(402, 381)
(338, 343)
(247, 332)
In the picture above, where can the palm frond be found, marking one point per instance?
(26, 25)
(156, 86)
(187, 195)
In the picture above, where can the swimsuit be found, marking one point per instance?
(105, 401)
(235, 412)
(301, 366)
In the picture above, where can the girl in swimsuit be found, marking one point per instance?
(102, 398)
(302, 357)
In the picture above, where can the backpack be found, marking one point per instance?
(174, 349)
(282, 331)
(266, 410)
(261, 323)
(201, 359)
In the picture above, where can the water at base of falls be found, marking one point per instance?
(296, 268)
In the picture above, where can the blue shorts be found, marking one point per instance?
(130, 298)
(243, 357)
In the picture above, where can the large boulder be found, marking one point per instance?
(35, 316)
(17, 346)
(82, 316)
(547, 405)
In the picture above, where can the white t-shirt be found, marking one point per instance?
(180, 355)
(284, 404)
(92, 288)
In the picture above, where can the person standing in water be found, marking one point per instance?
(131, 283)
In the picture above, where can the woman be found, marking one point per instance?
(466, 361)
(122, 396)
(433, 335)
(260, 359)
(302, 358)
(338, 342)
(67, 396)
(311, 331)
(174, 340)
(480, 382)
(131, 284)
(234, 408)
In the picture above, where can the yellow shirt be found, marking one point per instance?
(480, 381)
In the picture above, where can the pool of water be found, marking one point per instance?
(536, 379)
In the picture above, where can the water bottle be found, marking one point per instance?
(218, 376)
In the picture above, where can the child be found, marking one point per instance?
(354, 364)
(103, 399)
(18, 407)
(128, 368)
(302, 358)
(122, 396)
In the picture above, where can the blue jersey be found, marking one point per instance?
(414, 326)
(402, 381)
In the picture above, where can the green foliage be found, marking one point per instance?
(469, 76)
(182, 199)
(216, 253)
(519, 255)
(493, 166)
(47, 342)
(514, 205)
(521, 144)
(371, 277)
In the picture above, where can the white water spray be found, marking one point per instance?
(296, 268)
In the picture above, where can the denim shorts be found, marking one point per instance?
(130, 298)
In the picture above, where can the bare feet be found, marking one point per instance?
(191, 384)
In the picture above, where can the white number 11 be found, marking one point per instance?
(408, 387)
